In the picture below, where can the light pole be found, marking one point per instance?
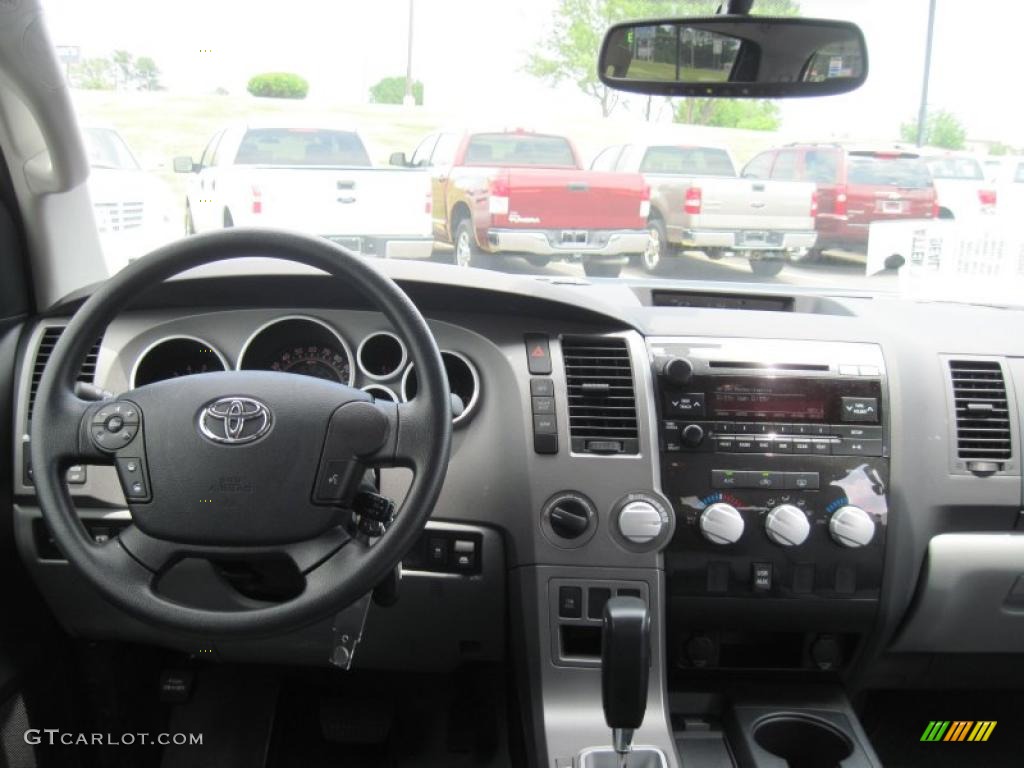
(922, 115)
(409, 100)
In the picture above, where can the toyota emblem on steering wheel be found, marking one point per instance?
(235, 420)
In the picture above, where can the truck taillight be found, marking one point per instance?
(645, 202)
(935, 208)
(257, 200)
(694, 200)
(987, 198)
(814, 204)
(497, 202)
(839, 207)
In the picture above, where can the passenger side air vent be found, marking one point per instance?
(602, 400)
(46, 344)
(982, 412)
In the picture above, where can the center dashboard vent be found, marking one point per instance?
(46, 344)
(982, 413)
(602, 398)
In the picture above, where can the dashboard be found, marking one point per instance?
(791, 481)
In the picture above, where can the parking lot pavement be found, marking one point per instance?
(839, 270)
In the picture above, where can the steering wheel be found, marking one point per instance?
(240, 464)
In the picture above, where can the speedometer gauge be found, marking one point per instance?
(299, 344)
(322, 362)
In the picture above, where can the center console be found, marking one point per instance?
(774, 455)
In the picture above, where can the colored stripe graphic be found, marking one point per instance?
(958, 730)
(935, 730)
(982, 730)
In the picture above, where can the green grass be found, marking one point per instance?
(666, 72)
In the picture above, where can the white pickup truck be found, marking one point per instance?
(961, 189)
(697, 202)
(314, 179)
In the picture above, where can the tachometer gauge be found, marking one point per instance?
(175, 356)
(322, 362)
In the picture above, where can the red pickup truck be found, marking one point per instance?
(528, 194)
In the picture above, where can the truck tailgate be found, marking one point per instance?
(753, 204)
(548, 198)
(343, 201)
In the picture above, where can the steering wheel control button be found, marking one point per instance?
(114, 424)
(125, 411)
(538, 354)
(334, 479)
(132, 474)
(375, 507)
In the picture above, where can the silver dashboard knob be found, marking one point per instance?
(640, 522)
(851, 527)
(721, 523)
(787, 525)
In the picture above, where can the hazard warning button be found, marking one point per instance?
(538, 354)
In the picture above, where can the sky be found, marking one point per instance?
(470, 55)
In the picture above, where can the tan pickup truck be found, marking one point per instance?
(698, 203)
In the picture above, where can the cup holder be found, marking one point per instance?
(802, 741)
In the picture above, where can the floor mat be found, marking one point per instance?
(896, 722)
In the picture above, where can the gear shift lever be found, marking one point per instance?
(625, 668)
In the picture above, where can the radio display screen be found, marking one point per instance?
(765, 399)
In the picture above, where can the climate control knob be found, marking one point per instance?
(851, 527)
(640, 522)
(721, 523)
(787, 525)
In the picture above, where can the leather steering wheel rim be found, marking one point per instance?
(339, 567)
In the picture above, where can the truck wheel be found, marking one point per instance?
(467, 252)
(190, 225)
(538, 261)
(766, 267)
(715, 254)
(601, 269)
(655, 256)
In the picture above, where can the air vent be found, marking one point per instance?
(602, 401)
(46, 344)
(982, 412)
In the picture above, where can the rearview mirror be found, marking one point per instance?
(398, 158)
(734, 57)
(184, 165)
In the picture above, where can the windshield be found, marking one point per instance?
(300, 146)
(956, 168)
(881, 170)
(105, 149)
(692, 161)
(477, 135)
(513, 149)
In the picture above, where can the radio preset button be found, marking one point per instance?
(803, 446)
(821, 447)
(745, 446)
(783, 445)
(725, 444)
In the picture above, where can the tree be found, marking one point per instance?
(278, 85)
(752, 114)
(95, 74)
(146, 74)
(391, 90)
(124, 67)
(941, 129)
(570, 52)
